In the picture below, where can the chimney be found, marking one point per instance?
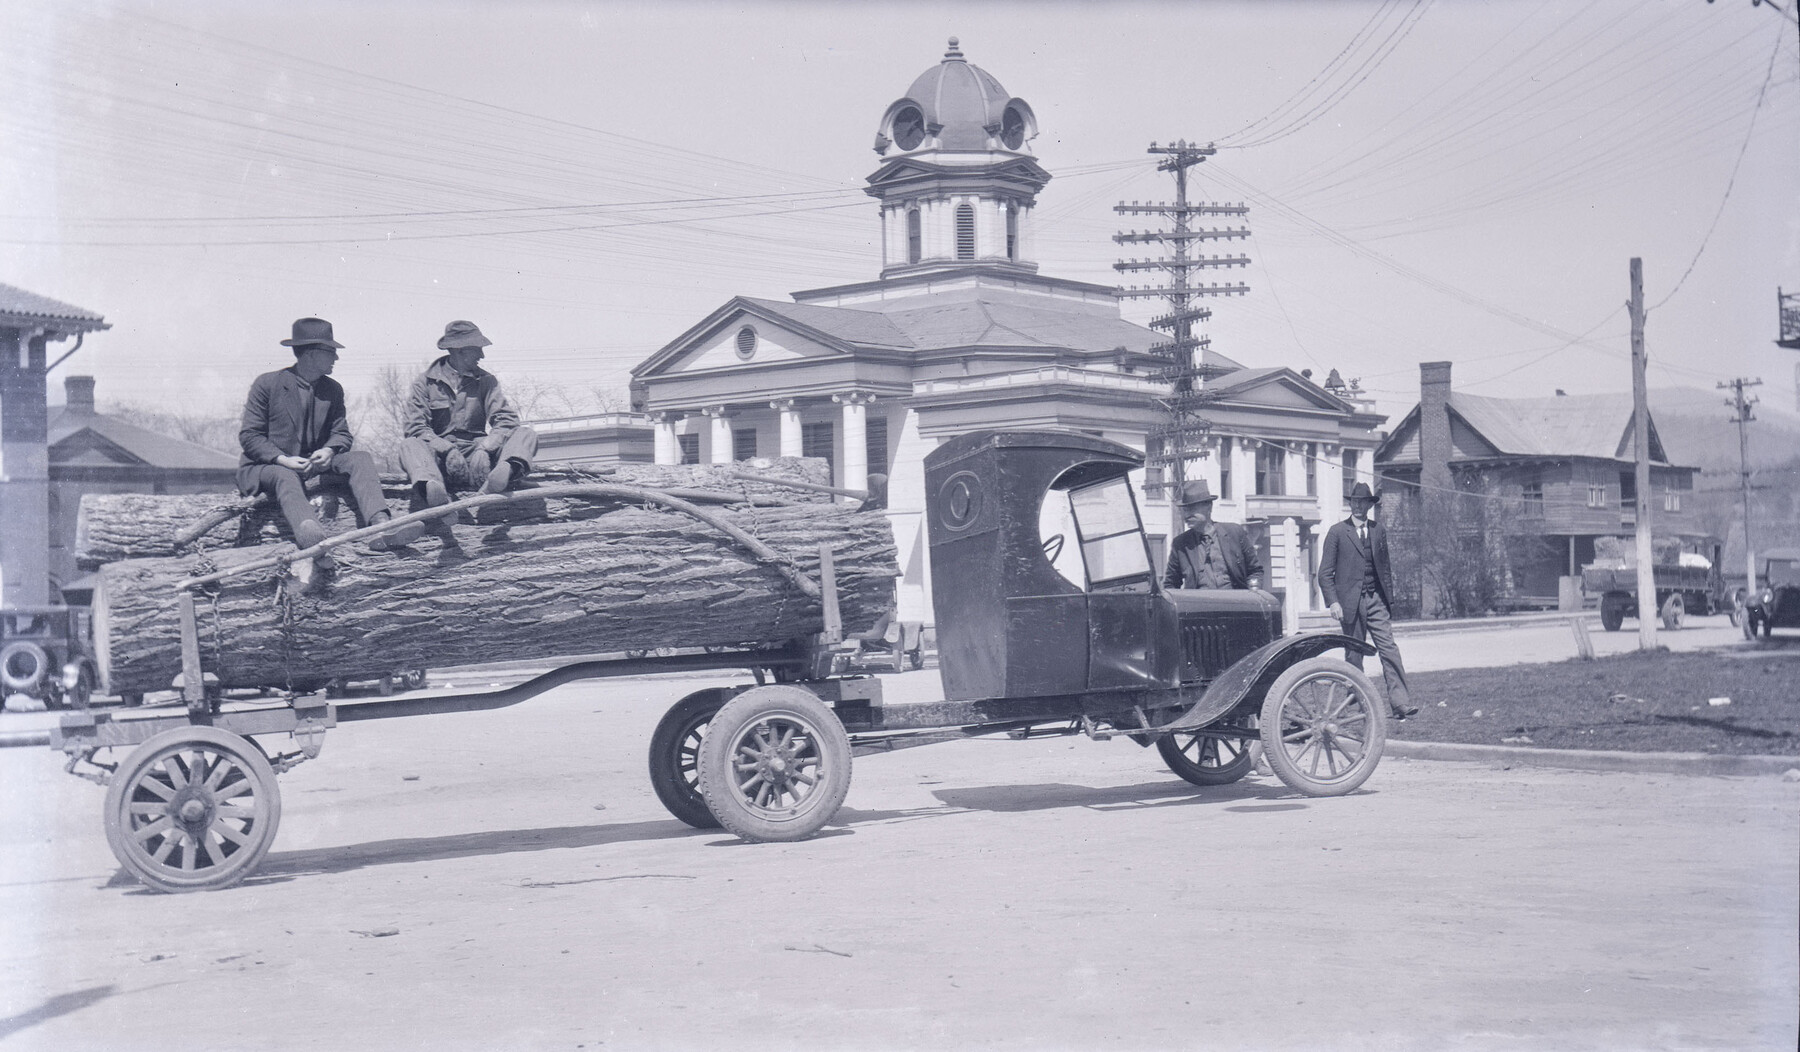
(1434, 426)
(79, 393)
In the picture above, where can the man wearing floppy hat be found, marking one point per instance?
(1210, 554)
(295, 429)
(460, 430)
(1354, 579)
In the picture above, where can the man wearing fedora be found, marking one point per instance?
(295, 429)
(1354, 578)
(1210, 554)
(460, 429)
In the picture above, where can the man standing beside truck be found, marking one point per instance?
(1353, 578)
(1210, 554)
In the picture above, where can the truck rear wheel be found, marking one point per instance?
(1324, 725)
(1612, 613)
(675, 756)
(775, 764)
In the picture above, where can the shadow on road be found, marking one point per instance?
(463, 845)
(1049, 795)
(60, 1005)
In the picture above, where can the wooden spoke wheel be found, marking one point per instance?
(675, 756)
(1324, 726)
(1210, 759)
(774, 764)
(192, 809)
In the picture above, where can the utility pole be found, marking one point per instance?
(1183, 425)
(1640, 440)
(1742, 405)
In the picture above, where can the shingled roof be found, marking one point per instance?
(1597, 426)
(20, 306)
(84, 438)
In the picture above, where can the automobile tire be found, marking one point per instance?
(675, 756)
(1674, 611)
(1612, 614)
(775, 764)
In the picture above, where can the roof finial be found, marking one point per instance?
(954, 52)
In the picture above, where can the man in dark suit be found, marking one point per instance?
(295, 428)
(1354, 578)
(1210, 554)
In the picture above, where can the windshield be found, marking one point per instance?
(1784, 572)
(1111, 536)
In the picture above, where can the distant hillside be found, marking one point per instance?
(1697, 430)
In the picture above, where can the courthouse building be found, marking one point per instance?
(960, 332)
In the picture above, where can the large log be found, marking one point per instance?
(114, 526)
(632, 578)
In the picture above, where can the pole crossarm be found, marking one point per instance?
(1197, 263)
(1166, 291)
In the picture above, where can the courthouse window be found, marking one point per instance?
(690, 448)
(743, 443)
(816, 440)
(877, 433)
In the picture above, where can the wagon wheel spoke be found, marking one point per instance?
(167, 846)
(223, 771)
(1334, 704)
(157, 787)
(141, 808)
(237, 811)
(161, 825)
(227, 832)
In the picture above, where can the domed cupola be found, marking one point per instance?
(957, 107)
(957, 180)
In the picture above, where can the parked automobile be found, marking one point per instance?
(44, 655)
(1777, 603)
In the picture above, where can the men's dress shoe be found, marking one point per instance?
(436, 496)
(397, 538)
(310, 533)
(499, 478)
(1401, 714)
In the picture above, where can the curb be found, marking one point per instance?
(1700, 763)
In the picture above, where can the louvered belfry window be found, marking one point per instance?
(965, 231)
(914, 240)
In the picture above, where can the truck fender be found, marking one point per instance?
(1252, 674)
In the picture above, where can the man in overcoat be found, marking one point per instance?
(295, 428)
(1355, 580)
(460, 429)
(1210, 554)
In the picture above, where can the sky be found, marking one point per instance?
(1462, 181)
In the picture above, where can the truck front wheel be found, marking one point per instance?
(1324, 726)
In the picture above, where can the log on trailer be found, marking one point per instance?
(114, 526)
(632, 578)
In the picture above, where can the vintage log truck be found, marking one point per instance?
(1065, 632)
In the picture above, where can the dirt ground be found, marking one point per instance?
(508, 880)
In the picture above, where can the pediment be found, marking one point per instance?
(1282, 389)
(719, 343)
(85, 448)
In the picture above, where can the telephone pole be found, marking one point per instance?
(1742, 416)
(1185, 371)
(1640, 440)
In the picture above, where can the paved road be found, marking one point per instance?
(507, 880)
(1508, 641)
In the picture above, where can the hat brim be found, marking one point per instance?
(333, 344)
(455, 343)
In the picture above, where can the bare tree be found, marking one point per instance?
(212, 430)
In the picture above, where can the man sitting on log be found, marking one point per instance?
(460, 430)
(295, 428)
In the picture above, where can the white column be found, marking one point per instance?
(1293, 573)
(1331, 483)
(856, 438)
(791, 445)
(1365, 467)
(668, 450)
(1293, 467)
(1243, 475)
(721, 435)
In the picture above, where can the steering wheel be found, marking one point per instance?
(1053, 546)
